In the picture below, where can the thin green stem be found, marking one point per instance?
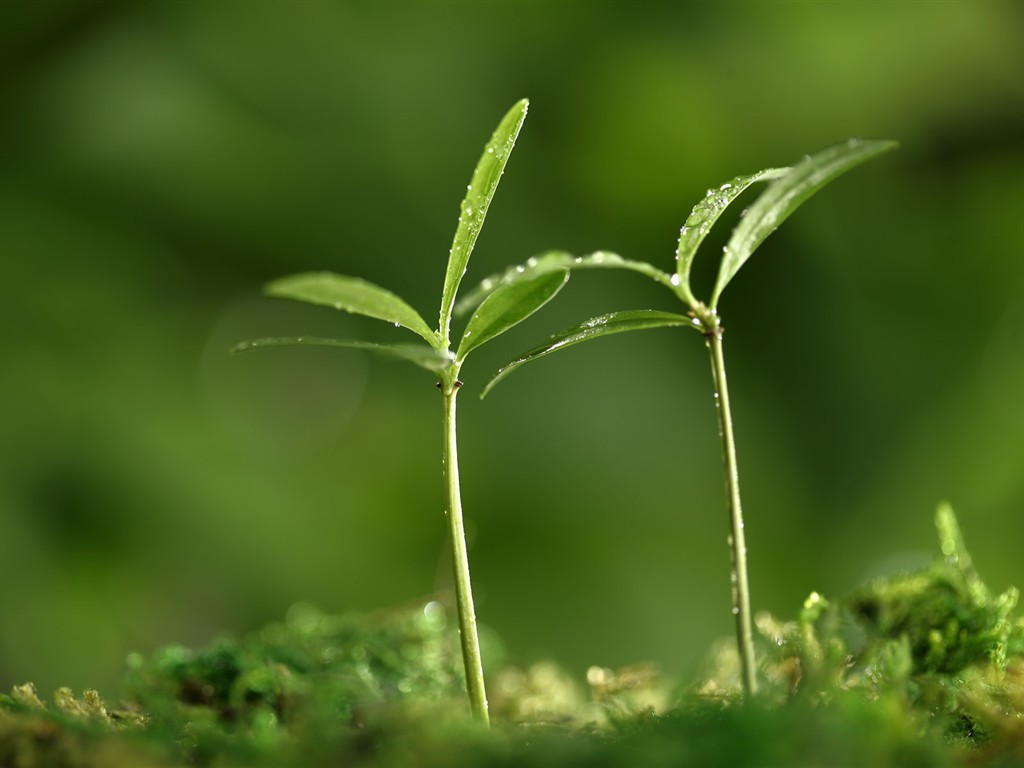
(460, 562)
(737, 543)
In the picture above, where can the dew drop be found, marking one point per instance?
(676, 280)
(735, 610)
(725, 187)
(433, 612)
(684, 231)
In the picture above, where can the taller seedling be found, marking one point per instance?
(503, 308)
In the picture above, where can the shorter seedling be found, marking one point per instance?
(787, 189)
(503, 308)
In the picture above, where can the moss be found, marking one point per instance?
(936, 647)
(75, 733)
(921, 669)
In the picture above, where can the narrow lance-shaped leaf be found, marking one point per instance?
(474, 207)
(418, 354)
(785, 195)
(554, 261)
(351, 294)
(703, 217)
(508, 306)
(595, 328)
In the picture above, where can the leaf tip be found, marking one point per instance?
(490, 385)
(278, 285)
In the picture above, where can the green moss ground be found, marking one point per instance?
(922, 669)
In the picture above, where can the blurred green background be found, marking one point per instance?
(160, 162)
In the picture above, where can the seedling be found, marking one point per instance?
(787, 189)
(503, 308)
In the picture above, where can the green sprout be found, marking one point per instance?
(503, 308)
(787, 189)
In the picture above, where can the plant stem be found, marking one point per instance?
(460, 562)
(737, 543)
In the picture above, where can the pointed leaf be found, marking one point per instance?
(508, 305)
(474, 207)
(785, 195)
(418, 354)
(550, 261)
(554, 261)
(705, 214)
(605, 325)
(351, 294)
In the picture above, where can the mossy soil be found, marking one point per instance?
(922, 669)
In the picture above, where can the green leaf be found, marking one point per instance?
(508, 305)
(595, 328)
(550, 261)
(785, 195)
(418, 354)
(554, 261)
(703, 217)
(474, 206)
(351, 294)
